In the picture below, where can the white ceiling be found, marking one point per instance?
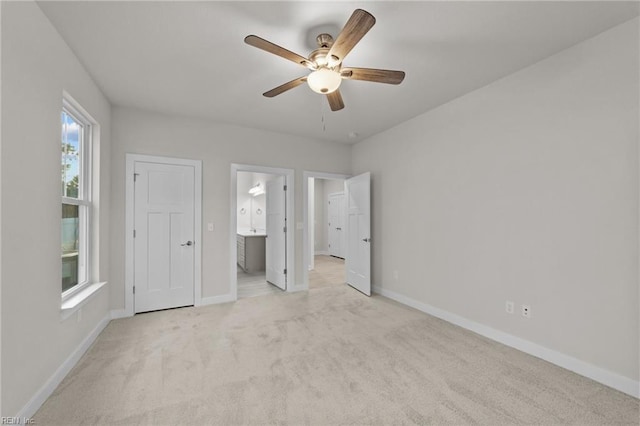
(189, 58)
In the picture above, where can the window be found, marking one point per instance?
(76, 199)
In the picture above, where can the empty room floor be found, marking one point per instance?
(328, 271)
(323, 357)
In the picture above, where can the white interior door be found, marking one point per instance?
(164, 207)
(358, 227)
(336, 224)
(276, 243)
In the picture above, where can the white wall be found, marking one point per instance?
(528, 191)
(244, 201)
(36, 67)
(254, 216)
(1, 411)
(218, 146)
(311, 218)
(319, 218)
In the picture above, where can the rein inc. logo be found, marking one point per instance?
(17, 421)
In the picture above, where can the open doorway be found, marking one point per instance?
(261, 244)
(251, 236)
(326, 233)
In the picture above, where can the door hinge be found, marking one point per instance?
(284, 229)
(135, 176)
(285, 271)
(134, 289)
(285, 188)
(134, 233)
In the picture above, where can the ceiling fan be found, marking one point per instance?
(325, 62)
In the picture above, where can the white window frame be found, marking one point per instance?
(84, 200)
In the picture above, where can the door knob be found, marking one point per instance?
(188, 243)
(338, 229)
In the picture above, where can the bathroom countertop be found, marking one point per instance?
(252, 234)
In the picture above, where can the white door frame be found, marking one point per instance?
(131, 159)
(306, 255)
(233, 219)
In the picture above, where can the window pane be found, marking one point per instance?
(70, 245)
(71, 154)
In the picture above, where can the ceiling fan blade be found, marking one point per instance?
(374, 75)
(267, 46)
(356, 27)
(283, 88)
(335, 100)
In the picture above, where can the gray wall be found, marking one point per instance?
(36, 67)
(524, 190)
(218, 146)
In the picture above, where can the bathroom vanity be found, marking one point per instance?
(251, 251)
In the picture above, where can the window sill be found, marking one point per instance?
(71, 305)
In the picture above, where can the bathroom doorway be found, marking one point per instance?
(251, 236)
(261, 246)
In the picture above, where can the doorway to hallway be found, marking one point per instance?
(346, 227)
(328, 271)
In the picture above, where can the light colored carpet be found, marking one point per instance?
(328, 271)
(326, 357)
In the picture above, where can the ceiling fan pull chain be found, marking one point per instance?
(322, 108)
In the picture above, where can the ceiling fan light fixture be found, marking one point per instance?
(324, 81)
(325, 62)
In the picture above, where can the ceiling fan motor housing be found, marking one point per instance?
(324, 40)
(326, 78)
(319, 57)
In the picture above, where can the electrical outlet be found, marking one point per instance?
(209, 226)
(509, 307)
(526, 311)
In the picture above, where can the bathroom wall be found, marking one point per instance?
(251, 210)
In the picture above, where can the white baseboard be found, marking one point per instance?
(606, 377)
(322, 253)
(214, 300)
(47, 389)
(120, 313)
